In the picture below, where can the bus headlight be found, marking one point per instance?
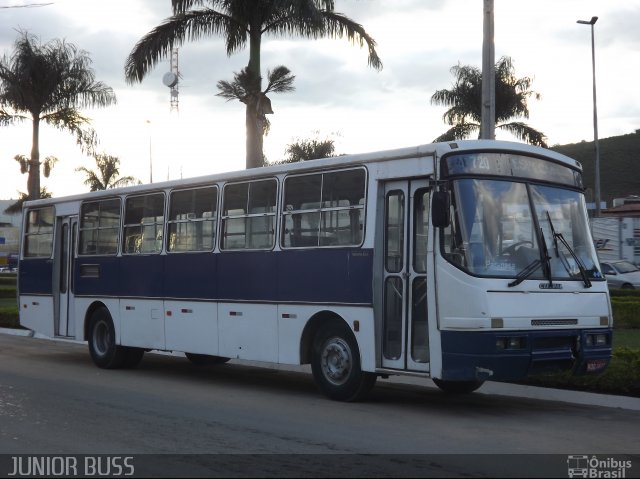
(597, 340)
(513, 342)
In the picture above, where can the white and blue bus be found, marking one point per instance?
(461, 262)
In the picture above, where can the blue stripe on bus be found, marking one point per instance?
(35, 276)
(341, 275)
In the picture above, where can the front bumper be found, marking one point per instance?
(513, 355)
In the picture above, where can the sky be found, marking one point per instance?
(337, 95)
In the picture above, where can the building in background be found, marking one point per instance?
(617, 233)
(9, 235)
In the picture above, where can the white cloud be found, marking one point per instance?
(418, 41)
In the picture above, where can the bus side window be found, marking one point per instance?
(192, 219)
(248, 215)
(143, 224)
(39, 234)
(99, 227)
(324, 209)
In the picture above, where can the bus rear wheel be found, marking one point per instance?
(457, 387)
(205, 359)
(335, 364)
(106, 354)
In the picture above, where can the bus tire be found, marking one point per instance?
(457, 387)
(335, 364)
(133, 356)
(106, 354)
(205, 359)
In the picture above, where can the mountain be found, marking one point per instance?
(619, 165)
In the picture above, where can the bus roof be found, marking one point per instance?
(431, 149)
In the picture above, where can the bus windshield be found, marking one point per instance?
(497, 228)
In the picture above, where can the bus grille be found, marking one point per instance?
(554, 342)
(554, 322)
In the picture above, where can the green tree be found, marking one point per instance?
(309, 149)
(49, 83)
(464, 100)
(243, 22)
(107, 174)
(16, 207)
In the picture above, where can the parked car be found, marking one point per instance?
(621, 274)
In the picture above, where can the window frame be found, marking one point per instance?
(119, 227)
(214, 219)
(324, 209)
(38, 234)
(222, 236)
(141, 224)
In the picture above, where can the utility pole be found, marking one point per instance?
(488, 120)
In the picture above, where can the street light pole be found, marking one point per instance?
(148, 122)
(595, 113)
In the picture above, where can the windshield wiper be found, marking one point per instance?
(559, 236)
(526, 272)
(544, 261)
(545, 257)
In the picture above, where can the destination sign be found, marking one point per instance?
(511, 165)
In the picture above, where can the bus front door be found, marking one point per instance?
(66, 233)
(405, 338)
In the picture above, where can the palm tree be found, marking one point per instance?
(49, 83)
(243, 22)
(107, 174)
(246, 88)
(465, 98)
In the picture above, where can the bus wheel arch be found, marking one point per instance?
(311, 329)
(336, 362)
(99, 332)
(89, 314)
(101, 335)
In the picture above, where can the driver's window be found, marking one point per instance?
(452, 244)
(491, 231)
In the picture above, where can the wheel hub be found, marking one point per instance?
(336, 361)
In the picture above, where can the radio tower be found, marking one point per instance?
(171, 80)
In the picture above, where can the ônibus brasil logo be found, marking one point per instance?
(597, 467)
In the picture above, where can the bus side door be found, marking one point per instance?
(404, 331)
(63, 294)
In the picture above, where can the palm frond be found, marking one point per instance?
(524, 132)
(460, 131)
(280, 80)
(190, 25)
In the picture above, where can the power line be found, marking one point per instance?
(29, 5)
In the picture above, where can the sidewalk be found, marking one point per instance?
(500, 389)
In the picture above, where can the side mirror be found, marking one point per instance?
(440, 206)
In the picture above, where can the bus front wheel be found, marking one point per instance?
(335, 364)
(106, 354)
(457, 387)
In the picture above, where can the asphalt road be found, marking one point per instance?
(239, 420)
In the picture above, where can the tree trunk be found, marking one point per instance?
(254, 154)
(254, 138)
(33, 182)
